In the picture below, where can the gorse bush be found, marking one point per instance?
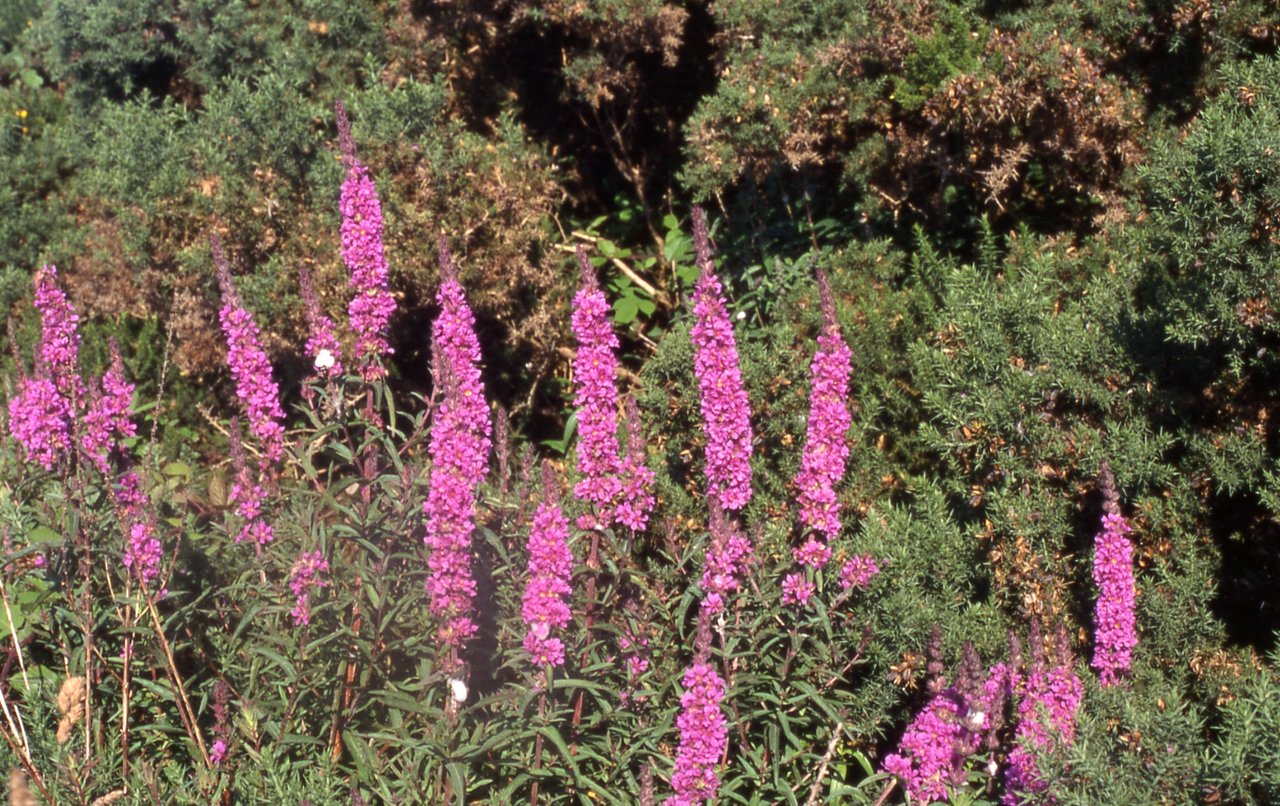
(875, 552)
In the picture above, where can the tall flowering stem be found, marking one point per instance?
(1114, 625)
(459, 449)
(250, 368)
(372, 305)
(595, 394)
(726, 413)
(826, 448)
(42, 415)
(546, 607)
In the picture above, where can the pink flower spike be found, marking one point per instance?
(797, 590)
(322, 346)
(372, 305)
(595, 369)
(1114, 623)
(248, 363)
(726, 413)
(826, 449)
(858, 571)
(305, 578)
(459, 449)
(545, 607)
(704, 735)
(107, 421)
(59, 338)
(39, 419)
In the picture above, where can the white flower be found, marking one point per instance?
(742, 315)
(458, 689)
(325, 360)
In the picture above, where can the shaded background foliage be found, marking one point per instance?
(1051, 229)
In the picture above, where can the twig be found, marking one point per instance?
(824, 764)
(184, 704)
(622, 267)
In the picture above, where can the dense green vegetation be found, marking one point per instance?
(1052, 233)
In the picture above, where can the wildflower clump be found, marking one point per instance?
(726, 414)
(459, 449)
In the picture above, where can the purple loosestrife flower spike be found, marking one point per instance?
(459, 451)
(595, 394)
(704, 734)
(826, 448)
(928, 758)
(550, 575)
(858, 571)
(248, 363)
(305, 578)
(1046, 717)
(106, 421)
(635, 499)
(39, 419)
(322, 344)
(725, 562)
(59, 353)
(1114, 630)
(247, 495)
(726, 413)
(372, 305)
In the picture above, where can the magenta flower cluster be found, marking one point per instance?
(704, 734)
(929, 757)
(595, 368)
(257, 389)
(322, 345)
(59, 336)
(106, 421)
(726, 414)
(42, 414)
(459, 450)
(635, 498)
(372, 305)
(858, 571)
(40, 420)
(937, 744)
(826, 448)
(618, 487)
(1114, 631)
(1046, 717)
(142, 553)
(306, 576)
(797, 589)
(546, 595)
(725, 562)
